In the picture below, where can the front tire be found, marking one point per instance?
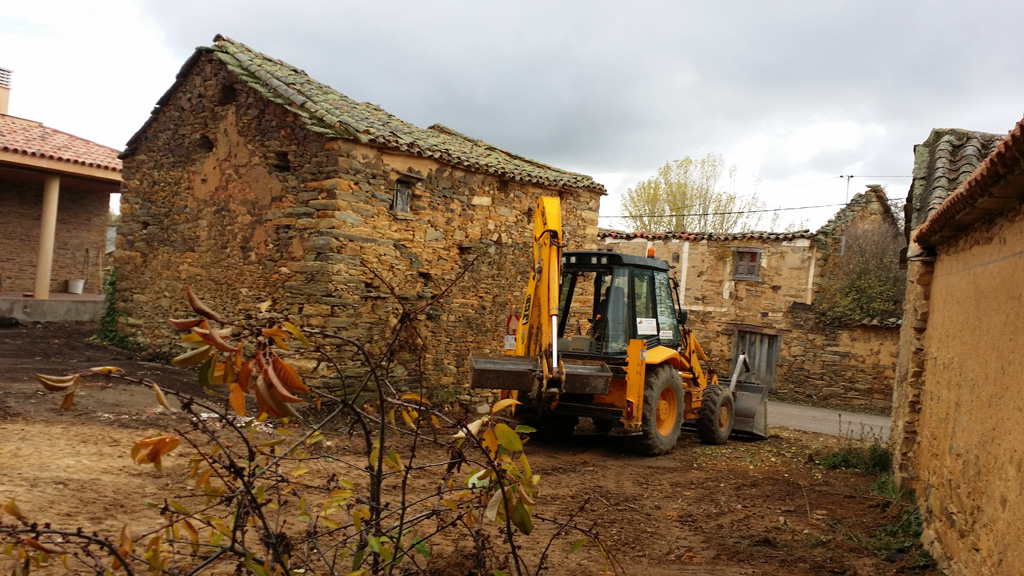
(662, 417)
(715, 416)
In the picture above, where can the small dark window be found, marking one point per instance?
(228, 94)
(205, 144)
(747, 265)
(281, 162)
(403, 196)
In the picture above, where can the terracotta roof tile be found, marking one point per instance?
(996, 186)
(33, 139)
(326, 111)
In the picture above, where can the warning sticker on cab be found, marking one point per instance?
(646, 326)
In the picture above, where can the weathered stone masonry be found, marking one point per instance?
(235, 195)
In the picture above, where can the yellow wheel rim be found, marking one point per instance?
(723, 416)
(666, 418)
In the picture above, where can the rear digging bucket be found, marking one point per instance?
(504, 372)
(583, 377)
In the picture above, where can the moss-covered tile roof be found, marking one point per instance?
(941, 164)
(326, 111)
(994, 187)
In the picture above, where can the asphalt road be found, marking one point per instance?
(825, 421)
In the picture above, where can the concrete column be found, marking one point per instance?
(47, 231)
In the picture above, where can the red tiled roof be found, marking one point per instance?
(30, 138)
(995, 187)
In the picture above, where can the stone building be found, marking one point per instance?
(754, 293)
(251, 181)
(957, 397)
(55, 192)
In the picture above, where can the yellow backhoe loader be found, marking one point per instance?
(601, 336)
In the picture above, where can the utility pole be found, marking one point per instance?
(846, 208)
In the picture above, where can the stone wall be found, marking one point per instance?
(960, 441)
(853, 366)
(79, 239)
(231, 194)
(850, 366)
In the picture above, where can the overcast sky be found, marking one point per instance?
(797, 92)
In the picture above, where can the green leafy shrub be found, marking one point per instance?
(865, 282)
(873, 458)
(106, 328)
(901, 538)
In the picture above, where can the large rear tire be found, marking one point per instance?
(662, 417)
(715, 416)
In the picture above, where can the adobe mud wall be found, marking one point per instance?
(233, 195)
(79, 239)
(966, 464)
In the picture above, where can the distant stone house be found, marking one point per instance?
(958, 397)
(251, 181)
(54, 201)
(753, 293)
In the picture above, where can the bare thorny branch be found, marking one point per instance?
(379, 541)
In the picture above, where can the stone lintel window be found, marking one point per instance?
(401, 203)
(747, 263)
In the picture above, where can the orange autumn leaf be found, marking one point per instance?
(215, 338)
(160, 398)
(58, 383)
(106, 370)
(289, 377)
(69, 399)
(200, 307)
(152, 450)
(33, 543)
(277, 387)
(237, 399)
(184, 323)
(245, 375)
(12, 508)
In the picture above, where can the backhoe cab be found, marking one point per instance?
(601, 336)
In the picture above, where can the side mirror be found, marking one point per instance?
(682, 317)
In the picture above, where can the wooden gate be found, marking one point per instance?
(762, 350)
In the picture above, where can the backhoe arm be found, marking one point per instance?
(536, 335)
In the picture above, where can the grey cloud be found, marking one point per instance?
(613, 88)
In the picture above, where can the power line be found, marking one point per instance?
(818, 182)
(725, 213)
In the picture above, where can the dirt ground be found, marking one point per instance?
(744, 508)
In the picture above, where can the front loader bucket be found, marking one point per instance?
(504, 372)
(751, 408)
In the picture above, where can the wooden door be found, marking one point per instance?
(762, 352)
